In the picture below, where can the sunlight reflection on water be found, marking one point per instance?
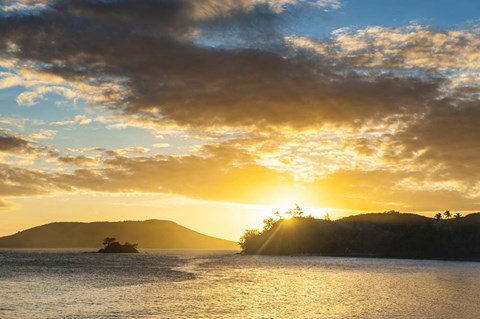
(169, 284)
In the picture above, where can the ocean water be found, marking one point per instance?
(189, 284)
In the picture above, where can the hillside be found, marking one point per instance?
(148, 234)
(390, 235)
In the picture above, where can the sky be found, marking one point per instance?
(214, 114)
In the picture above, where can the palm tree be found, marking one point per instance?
(458, 215)
(438, 216)
(447, 214)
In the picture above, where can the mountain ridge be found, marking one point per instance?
(153, 233)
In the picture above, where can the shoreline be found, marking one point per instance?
(364, 256)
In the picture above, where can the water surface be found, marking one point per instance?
(195, 284)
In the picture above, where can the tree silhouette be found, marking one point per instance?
(268, 223)
(458, 215)
(249, 233)
(447, 214)
(296, 212)
(393, 212)
(111, 245)
(108, 240)
(389, 235)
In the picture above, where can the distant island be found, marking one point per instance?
(160, 234)
(112, 246)
(385, 235)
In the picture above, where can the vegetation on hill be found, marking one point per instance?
(111, 245)
(390, 234)
(148, 234)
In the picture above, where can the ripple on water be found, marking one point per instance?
(159, 284)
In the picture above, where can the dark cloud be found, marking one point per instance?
(11, 143)
(446, 140)
(168, 76)
(14, 144)
(79, 160)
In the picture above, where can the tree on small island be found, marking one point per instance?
(111, 245)
(108, 240)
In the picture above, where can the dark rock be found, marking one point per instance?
(116, 248)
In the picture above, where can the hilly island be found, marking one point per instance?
(160, 234)
(385, 235)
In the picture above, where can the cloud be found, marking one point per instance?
(6, 205)
(15, 181)
(12, 144)
(381, 190)
(168, 78)
(230, 175)
(211, 8)
(18, 123)
(161, 145)
(78, 119)
(376, 106)
(79, 160)
(233, 175)
(43, 135)
(262, 170)
(454, 54)
(133, 149)
(446, 142)
(23, 5)
(39, 84)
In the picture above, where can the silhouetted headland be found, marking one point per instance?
(160, 234)
(385, 235)
(111, 245)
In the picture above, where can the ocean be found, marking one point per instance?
(205, 284)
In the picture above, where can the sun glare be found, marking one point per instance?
(284, 198)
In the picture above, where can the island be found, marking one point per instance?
(111, 245)
(156, 234)
(383, 235)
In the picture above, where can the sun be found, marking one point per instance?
(282, 198)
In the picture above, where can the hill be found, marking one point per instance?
(148, 234)
(390, 235)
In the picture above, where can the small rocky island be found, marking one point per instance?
(111, 245)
